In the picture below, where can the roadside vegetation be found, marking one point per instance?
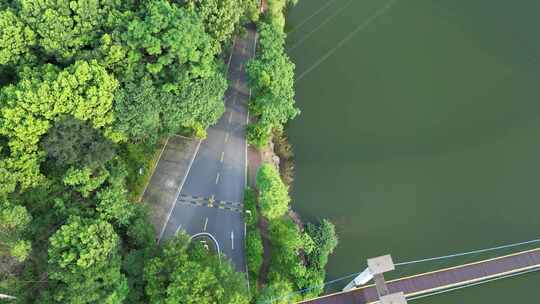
(294, 269)
(88, 90)
(298, 254)
(271, 78)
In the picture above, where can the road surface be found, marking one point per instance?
(211, 198)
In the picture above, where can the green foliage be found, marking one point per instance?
(16, 38)
(14, 221)
(286, 242)
(85, 263)
(113, 205)
(85, 180)
(171, 43)
(64, 27)
(251, 216)
(184, 273)
(43, 94)
(219, 17)
(273, 193)
(271, 76)
(140, 232)
(325, 239)
(258, 135)
(278, 291)
(254, 252)
(135, 157)
(198, 105)
(252, 9)
(72, 142)
(254, 246)
(137, 111)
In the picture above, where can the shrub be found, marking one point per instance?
(273, 193)
(254, 252)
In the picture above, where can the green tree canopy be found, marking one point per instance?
(325, 239)
(271, 75)
(137, 108)
(113, 205)
(186, 273)
(85, 263)
(72, 142)
(14, 220)
(64, 27)
(279, 291)
(219, 17)
(273, 193)
(170, 42)
(16, 38)
(199, 105)
(44, 94)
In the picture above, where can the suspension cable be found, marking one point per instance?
(474, 284)
(469, 252)
(408, 263)
(301, 23)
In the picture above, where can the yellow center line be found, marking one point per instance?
(222, 155)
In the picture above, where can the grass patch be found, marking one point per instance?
(140, 161)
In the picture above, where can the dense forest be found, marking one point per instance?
(87, 90)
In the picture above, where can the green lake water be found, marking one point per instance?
(419, 134)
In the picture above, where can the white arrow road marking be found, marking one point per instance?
(232, 239)
(217, 178)
(205, 224)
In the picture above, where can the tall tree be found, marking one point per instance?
(187, 273)
(14, 220)
(63, 27)
(16, 38)
(85, 264)
(43, 94)
(72, 142)
(137, 108)
(271, 75)
(169, 41)
(220, 17)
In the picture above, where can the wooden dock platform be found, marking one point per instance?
(440, 279)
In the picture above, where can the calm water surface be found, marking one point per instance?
(419, 135)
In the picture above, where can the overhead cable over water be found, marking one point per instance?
(475, 284)
(361, 27)
(478, 251)
(318, 27)
(469, 252)
(301, 23)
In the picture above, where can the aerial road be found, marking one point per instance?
(210, 200)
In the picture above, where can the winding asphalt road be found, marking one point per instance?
(210, 200)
